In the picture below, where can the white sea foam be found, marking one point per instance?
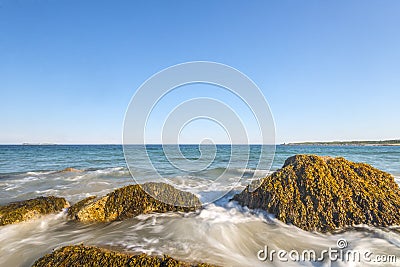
(397, 179)
(227, 234)
(222, 233)
(37, 173)
(72, 185)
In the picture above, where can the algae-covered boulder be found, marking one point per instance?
(30, 209)
(92, 256)
(132, 200)
(323, 193)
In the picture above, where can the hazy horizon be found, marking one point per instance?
(314, 141)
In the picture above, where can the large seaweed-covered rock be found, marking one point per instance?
(323, 193)
(80, 255)
(30, 209)
(132, 200)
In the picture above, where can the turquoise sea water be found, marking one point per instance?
(222, 233)
(17, 158)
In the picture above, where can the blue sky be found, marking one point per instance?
(68, 69)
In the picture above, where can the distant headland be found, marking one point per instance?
(38, 144)
(348, 143)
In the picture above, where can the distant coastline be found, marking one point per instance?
(395, 142)
(348, 143)
(38, 144)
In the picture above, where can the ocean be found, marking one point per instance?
(222, 233)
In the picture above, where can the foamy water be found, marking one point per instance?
(222, 233)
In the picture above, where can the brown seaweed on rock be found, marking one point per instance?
(69, 169)
(80, 255)
(30, 209)
(323, 194)
(132, 200)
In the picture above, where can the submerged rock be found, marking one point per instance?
(30, 209)
(80, 255)
(69, 169)
(132, 200)
(323, 193)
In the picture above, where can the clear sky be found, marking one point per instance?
(330, 70)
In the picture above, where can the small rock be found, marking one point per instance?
(30, 209)
(71, 170)
(132, 200)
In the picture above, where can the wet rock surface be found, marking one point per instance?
(324, 193)
(80, 255)
(69, 169)
(31, 209)
(133, 200)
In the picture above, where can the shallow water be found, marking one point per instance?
(222, 233)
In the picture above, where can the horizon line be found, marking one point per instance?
(281, 143)
(118, 144)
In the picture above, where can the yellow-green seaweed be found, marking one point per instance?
(85, 256)
(30, 209)
(132, 200)
(323, 194)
